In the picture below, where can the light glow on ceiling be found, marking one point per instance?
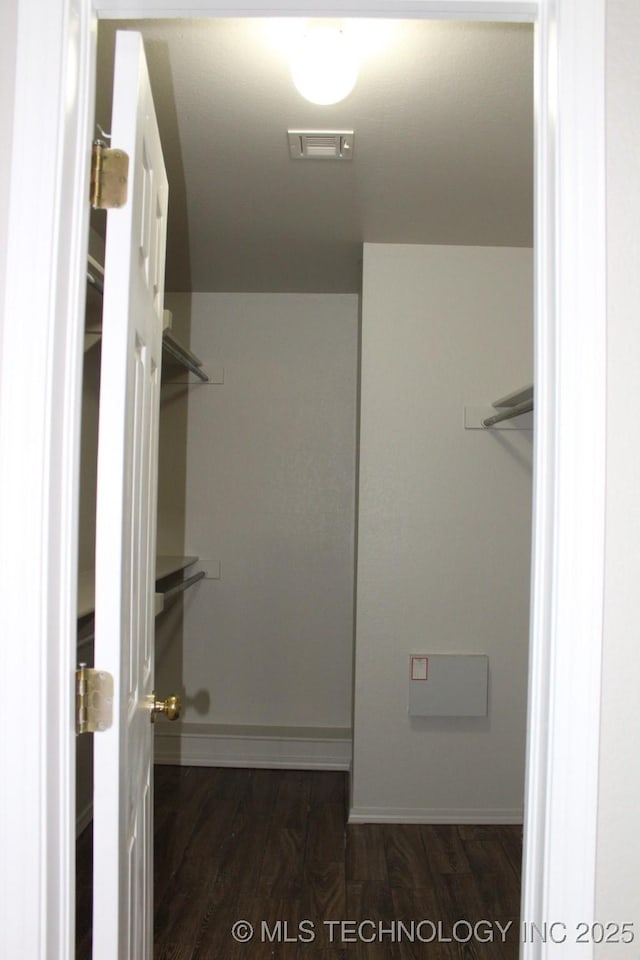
(325, 67)
(324, 56)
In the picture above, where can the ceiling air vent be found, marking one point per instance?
(321, 144)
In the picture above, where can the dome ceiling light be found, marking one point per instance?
(325, 66)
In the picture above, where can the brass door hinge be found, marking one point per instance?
(109, 176)
(94, 700)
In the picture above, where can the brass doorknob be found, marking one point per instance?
(170, 707)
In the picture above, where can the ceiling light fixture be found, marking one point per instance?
(325, 68)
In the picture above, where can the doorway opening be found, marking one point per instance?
(204, 707)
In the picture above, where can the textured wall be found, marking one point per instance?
(444, 527)
(268, 479)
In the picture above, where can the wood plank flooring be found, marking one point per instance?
(272, 848)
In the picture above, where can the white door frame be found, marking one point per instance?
(40, 396)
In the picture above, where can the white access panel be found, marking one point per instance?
(448, 685)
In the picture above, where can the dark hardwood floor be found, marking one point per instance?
(272, 848)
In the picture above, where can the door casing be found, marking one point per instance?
(40, 400)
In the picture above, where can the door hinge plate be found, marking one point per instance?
(109, 177)
(94, 700)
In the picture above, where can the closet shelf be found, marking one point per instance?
(515, 398)
(169, 593)
(182, 356)
(501, 412)
(95, 274)
(170, 344)
(168, 586)
(95, 289)
(513, 405)
(166, 567)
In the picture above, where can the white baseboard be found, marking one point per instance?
(426, 815)
(226, 745)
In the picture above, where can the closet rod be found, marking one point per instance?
(185, 357)
(95, 274)
(95, 278)
(95, 282)
(508, 413)
(183, 585)
(86, 640)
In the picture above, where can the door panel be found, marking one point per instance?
(126, 519)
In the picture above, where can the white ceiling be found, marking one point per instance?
(443, 121)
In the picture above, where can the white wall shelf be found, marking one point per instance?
(171, 346)
(515, 398)
(166, 567)
(179, 353)
(503, 412)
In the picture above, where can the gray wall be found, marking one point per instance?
(444, 527)
(267, 480)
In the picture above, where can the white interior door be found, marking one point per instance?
(126, 519)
